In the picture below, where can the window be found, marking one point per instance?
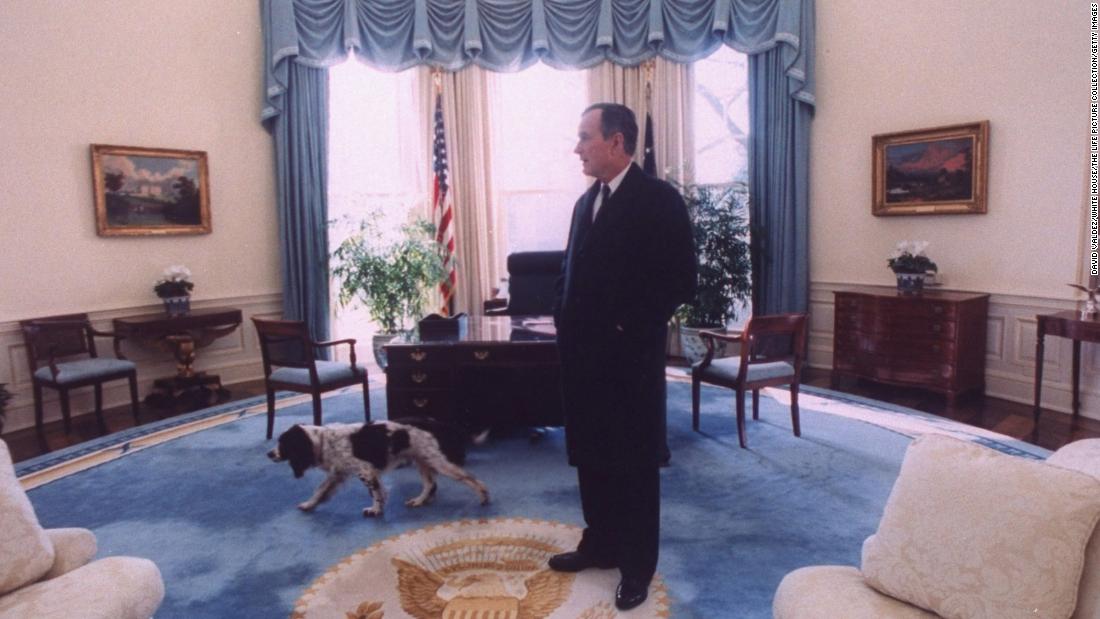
(536, 175)
(377, 164)
(721, 117)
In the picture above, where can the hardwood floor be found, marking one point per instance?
(1009, 418)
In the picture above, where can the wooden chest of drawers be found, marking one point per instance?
(935, 340)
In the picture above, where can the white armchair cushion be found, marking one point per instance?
(26, 552)
(72, 548)
(1085, 456)
(111, 588)
(836, 591)
(971, 532)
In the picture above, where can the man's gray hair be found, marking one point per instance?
(617, 118)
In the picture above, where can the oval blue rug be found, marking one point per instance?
(220, 521)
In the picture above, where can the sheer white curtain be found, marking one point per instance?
(479, 243)
(669, 103)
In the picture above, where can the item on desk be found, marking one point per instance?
(434, 325)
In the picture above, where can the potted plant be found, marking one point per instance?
(174, 288)
(910, 264)
(723, 265)
(392, 279)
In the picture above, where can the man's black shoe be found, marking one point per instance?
(630, 593)
(576, 561)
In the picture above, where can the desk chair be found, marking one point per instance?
(67, 344)
(532, 281)
(290, 364)
(772, 349)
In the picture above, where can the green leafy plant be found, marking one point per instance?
(909, 257)
(5, 395)
(724, 265)
(393, 280)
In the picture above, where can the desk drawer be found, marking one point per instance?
(436, 403)
(417, 356)
(419, 378)
(511, 355)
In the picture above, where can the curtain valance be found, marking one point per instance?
(510, 35)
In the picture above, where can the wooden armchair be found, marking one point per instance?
(772, 349)
(66, 344)
(290, 364)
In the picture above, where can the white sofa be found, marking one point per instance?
(970, 532)
(49, 573)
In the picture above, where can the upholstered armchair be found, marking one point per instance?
(532, 278)
(51, 574)
(291, 364)
(65, 346)
(970, 532)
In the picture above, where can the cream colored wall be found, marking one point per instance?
(136, 73)
(893, 65)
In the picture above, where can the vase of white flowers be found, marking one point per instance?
(910, 264)
(174, 288)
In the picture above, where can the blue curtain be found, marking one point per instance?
(779, 184)
(301, 146)
(510, 35)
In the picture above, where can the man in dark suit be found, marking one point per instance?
(629, 263)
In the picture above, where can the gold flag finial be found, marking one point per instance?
(437, 79)
(648, 67)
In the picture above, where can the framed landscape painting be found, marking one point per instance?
(931, 171)
(150, 191)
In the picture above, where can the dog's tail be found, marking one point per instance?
(480, 437)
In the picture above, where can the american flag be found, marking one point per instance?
(443, 210)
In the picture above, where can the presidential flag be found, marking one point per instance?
(443, 210)
(649, 161)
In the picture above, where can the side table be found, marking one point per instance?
(183, 336)
(1067, 324)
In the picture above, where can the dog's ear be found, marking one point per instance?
(297, 448)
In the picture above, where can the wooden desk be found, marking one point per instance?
(1066, 324)
(183, 336)
(494, 372)
(935, 340)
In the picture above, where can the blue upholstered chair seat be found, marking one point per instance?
(75, 371)
(328, 372)
(728, 367)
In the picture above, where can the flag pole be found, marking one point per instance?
(442, 199)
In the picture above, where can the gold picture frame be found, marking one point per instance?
(931, 171)
(150, 191)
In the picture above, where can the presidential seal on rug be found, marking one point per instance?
(367, 450)
(473, 569)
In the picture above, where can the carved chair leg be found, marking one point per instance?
(695, 403)
(794, 409)
(316, 408)
(366, 400)
(134, 404)
(270, 412)
(741, 417)
(65, 409)
(38, 413)
(755, 404)
(97, 389)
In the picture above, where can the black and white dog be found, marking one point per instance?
(368, 450)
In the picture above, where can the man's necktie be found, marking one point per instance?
(605, 192)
